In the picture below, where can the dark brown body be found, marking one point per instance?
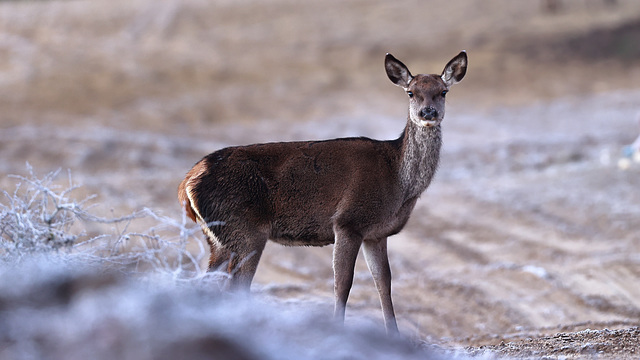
(335, 176)
(349, 191)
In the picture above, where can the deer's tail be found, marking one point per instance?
(186, 194)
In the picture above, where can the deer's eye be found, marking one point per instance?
(444, 93)
(410, 93)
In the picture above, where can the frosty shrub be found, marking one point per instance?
(40, 216)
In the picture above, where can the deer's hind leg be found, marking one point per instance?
(238, 256)
(221, 259)
(246, 262)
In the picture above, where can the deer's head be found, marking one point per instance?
(426, 92)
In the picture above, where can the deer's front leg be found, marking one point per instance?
(345, 252)
(375, 252)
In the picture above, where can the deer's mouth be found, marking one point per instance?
(429, 123)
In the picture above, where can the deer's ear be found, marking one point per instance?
(455, 70)
(397, 72)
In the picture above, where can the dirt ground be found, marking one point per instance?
(613, 344)
(527, 243)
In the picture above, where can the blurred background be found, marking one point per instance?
(532, 221)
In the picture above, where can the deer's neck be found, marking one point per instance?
(420, 153)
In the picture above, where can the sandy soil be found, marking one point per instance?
(529, 234)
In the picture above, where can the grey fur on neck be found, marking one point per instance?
(420, 155)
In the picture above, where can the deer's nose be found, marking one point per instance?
(429, 113)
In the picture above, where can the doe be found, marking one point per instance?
(347, 192)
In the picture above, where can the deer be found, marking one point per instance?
(350, 192)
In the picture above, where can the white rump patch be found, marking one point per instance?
(203, 224)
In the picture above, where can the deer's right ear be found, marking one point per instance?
(397, 72)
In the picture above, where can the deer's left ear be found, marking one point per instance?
(455, 70)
